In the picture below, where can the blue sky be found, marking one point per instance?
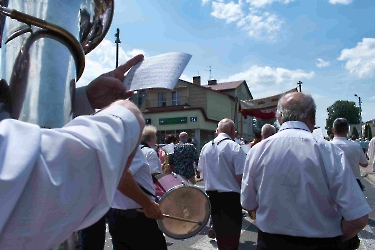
(329, 45)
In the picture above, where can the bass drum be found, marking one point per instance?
(187, 202)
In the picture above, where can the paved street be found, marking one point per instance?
(249, 235)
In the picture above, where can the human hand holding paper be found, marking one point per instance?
(162, 71)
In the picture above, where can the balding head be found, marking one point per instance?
(227, 126)
(267, 131)
(296, 106)
(183, 136)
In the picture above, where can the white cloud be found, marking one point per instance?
(103, 59)
(261, 25)
(260, 78)
(345, 2)
(230, 12)
(262, 3)
(360, 60)
(257, 24)
(186, 78)
(321, 63)
(205, 2)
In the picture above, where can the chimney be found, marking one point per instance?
(212, 82)
(197, 80)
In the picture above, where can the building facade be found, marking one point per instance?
(195, 109)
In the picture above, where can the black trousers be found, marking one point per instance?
(278, 241)
(131, 230)
(93, 237)
(226, 214)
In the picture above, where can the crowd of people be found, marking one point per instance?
(305, 191)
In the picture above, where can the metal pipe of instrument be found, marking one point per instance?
(43, 46)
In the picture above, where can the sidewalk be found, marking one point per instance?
(367, 173)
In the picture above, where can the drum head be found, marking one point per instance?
(186, 202)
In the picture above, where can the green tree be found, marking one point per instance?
(342, 109)
(355, 132)
(368, 133)
(258, 123)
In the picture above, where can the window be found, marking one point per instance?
(162, 99)
(138, 98)
(175, 98)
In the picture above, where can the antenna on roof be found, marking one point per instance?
(210, 72)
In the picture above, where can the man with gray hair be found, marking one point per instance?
(148, 141)
(267, 131)
(301, 186)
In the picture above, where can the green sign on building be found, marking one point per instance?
(174, 120)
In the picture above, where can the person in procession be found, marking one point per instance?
(48, 190)
(182, 160)
(148, 142)
(302, 187)
(222, 161)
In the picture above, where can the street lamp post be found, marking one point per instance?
(117, 41)
(299, 83)
(360, 111)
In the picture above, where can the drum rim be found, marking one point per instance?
(204, 222)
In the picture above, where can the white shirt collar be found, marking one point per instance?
(221, 136)
(336, 138)
(294, 125)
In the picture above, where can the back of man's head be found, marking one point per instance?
(169, 139)
(226, 125)
(296, 106)
(257, 135)
(267, 131)
(340, 127)
(183, 136)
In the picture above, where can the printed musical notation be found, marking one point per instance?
(160, 71)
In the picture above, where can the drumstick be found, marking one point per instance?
(176, 218)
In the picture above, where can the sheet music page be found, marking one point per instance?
(160, 71)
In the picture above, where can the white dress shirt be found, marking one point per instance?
(371, 152)
(301, 184)
(353, 152)
(220, 162)
(169, 148)
(152, 159)
(56, 181)
(142, 175)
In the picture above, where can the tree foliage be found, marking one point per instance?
(368, 133)
(342, 109)
(355, 133)
(258, 123)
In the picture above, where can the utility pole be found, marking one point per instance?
(117, 41)
(360, 111)
(299, 83)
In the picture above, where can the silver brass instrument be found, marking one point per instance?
(44, 43)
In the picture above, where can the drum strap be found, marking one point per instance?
(148, 192)
(226, 138)
(145, 145)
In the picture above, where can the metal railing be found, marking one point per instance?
(154, 103)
